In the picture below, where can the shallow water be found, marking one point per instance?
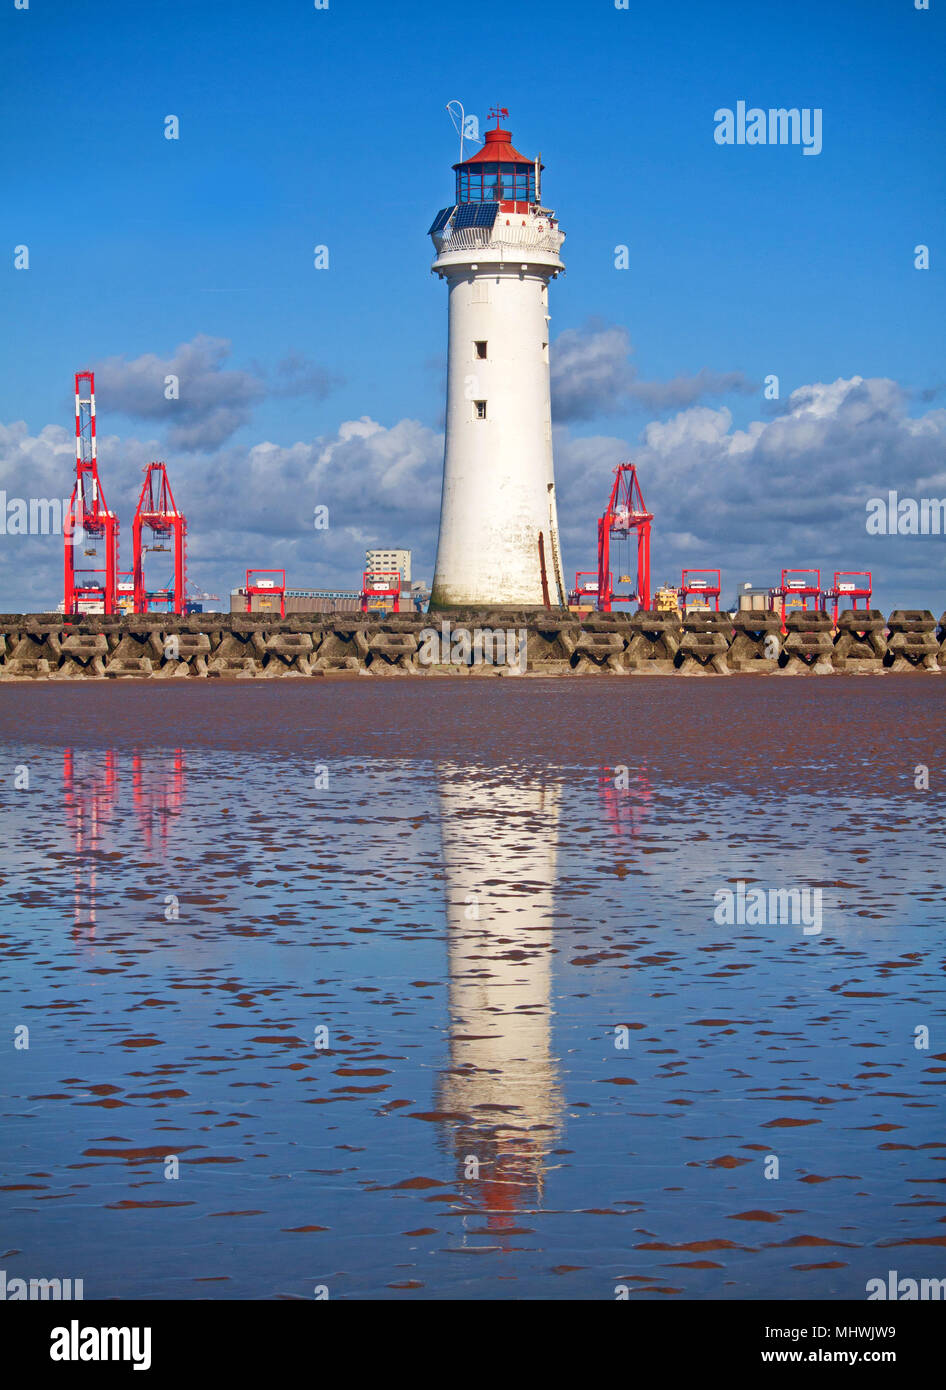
(427, 1003)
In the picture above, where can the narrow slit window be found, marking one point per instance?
(479, 410)
(479, 350)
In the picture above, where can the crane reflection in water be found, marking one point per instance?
(93, 794)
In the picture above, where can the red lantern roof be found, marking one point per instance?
(498, 149)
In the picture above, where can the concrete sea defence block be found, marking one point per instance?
(550, 644)
(391, 652)
(911, 620)
(138, 652)
(703, 653)
(809, 621)
(918, 651)
(607, 622)
(185, 654)
(599, 651)
(287, 653)
(139, 641)
(27, 668)
(187, 645)
(84, 646)
(913, 644)
(239, 653)
(83, 656)
(860, 644)
(756, 643)
(35, 652)
(861, 620)
(653, 642)
(129, 666)
(808, 648)
(807, 653)
(344, 646)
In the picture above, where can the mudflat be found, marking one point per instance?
(420, 989)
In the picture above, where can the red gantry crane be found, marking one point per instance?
(381, 589)
(89, 522)
(705, 584)
(625, 513)
(850, 584)
(798, 586)
(157, 510)
(266, 589)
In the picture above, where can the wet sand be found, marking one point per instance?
(789, 731)
(546, 1070)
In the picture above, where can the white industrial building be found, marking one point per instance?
(387, 561)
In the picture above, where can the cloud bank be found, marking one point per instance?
(790, 490)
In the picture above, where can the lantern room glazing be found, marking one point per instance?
(497, 173)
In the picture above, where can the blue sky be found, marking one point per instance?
(301, 127)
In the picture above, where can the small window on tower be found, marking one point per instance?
(479, 410)
(479, 350)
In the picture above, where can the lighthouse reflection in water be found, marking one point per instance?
(500, 1090)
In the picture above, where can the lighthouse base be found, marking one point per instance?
(475, 611)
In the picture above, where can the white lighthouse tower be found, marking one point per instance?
(498, 248)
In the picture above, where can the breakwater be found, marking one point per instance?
(465, 643)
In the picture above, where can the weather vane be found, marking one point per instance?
(501, 113)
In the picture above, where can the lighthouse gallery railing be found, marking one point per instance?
(483, 238)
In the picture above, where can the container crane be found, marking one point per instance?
(704, 584)
(157, 511)
(381, 589)
(266, 590)
(798, 586)
(624, 513)
(89, 521)
(850, 585)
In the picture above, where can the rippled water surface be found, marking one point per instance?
(420, 984)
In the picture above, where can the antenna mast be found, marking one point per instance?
(458, 125)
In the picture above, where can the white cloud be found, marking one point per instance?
(213, 400)
(592, 375)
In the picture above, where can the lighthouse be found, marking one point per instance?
(497, 247)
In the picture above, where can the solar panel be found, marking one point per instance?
(441, 220)
(476, 215)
